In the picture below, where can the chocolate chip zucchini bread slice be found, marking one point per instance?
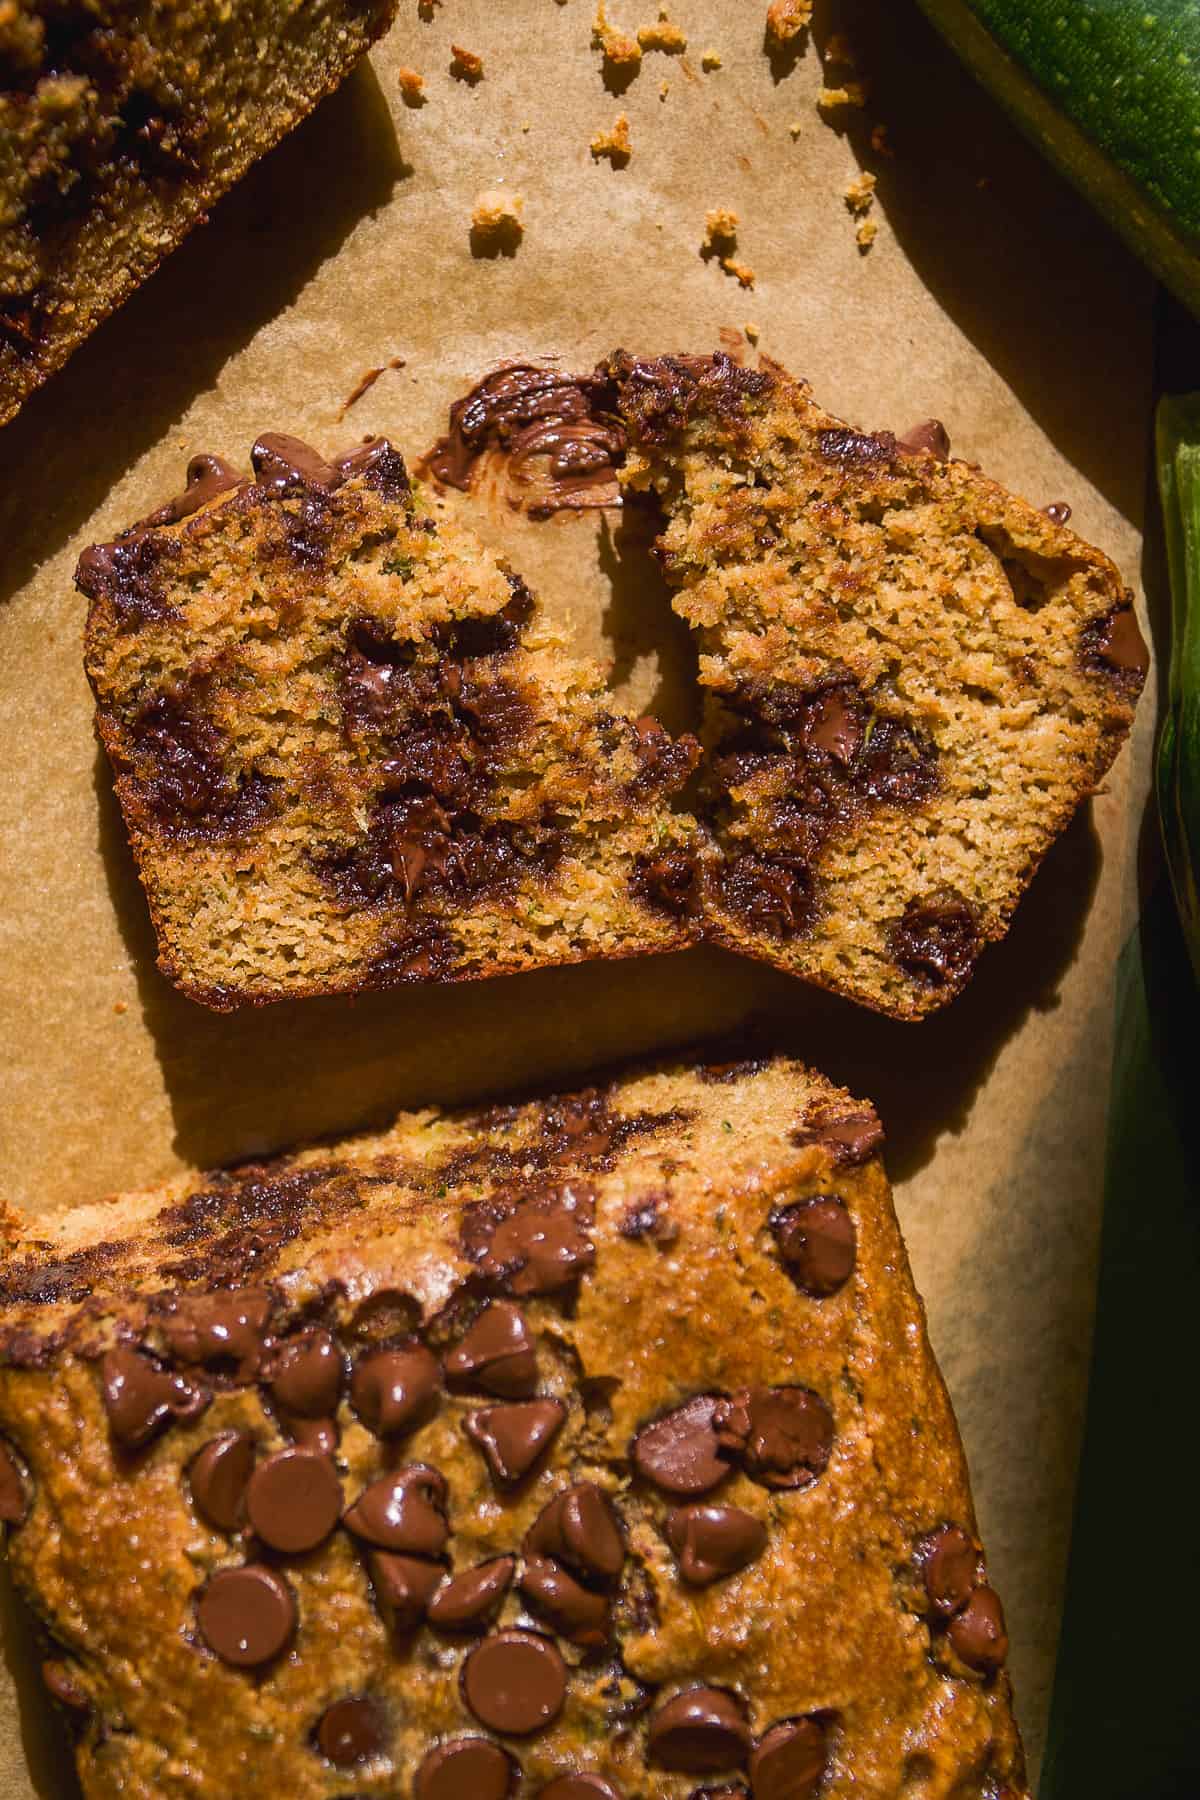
(915, 678)
(349, 750)
(585, 1447)
(120, 125)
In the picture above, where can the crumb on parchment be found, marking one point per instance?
(663, 35)
(710, 59)
(868, 231)
(465, 65)
(613, 143)
(617, 47)
(752, 332)
(860, 193)
(664, 88)
(742, 273)
(427, 8)
(496, 223)
(412, 87)
(851, 93)
(720, 241)
(786, 19)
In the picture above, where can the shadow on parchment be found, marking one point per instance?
(253, 1081)
(967, 197)
(639, 615)
(139, 371)
(44, 1743)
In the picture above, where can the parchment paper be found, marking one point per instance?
(991, 298)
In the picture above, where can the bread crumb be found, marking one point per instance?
(663, 35)
(120, 1006)
(861, 192)
(796, 128)
(868, 231)
(880, 142)
(786, 19)
(720, 227)
(412, 87)
(752, 332)
(465, 65)
(711, 59)
(426, 8)
(496, 223)
(615, 46)
(852, 93)
(613, 143)
(741, 272)
(664, 88)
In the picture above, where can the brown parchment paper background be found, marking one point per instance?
(992, 298)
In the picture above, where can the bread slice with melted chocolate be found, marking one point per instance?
(349, 750)
(915, 678)
(590, 1445)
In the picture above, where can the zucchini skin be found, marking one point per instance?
(1109, 90)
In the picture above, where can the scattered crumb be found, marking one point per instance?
(868, 231)
(367, 382)
(860, 193)
(796, 127)
(427, 8)
(838, 49)
(613, 143)
(711, 59)
(752, 332)
(412, 87)
(122, 1006)
(465, 65)
(880, 142)
(496, 223)
(741, 272)
(615, 46)
(525, 125)
(664, 88)
(663, 35)
(852, 93)
(720, 228)
(786, 19)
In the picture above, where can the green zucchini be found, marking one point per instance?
(1110, 91)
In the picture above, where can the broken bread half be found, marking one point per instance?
(587, 1446)
(915, 677)
(349, 749)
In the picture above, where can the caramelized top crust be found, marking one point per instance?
(595, 1437)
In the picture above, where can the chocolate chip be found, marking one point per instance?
(218, 1475)
(679, 1452)
(928, 434)
(282, 461)
(1113, 644)
(515, 1682)
(542, 1245)
(579, 1527)
(470, 1600)
(321, 1435)
(816, 1240)
(789, 1761)
(351, 1731)
(305, 1376)
(222, 1330)
(850, 1139)
(950, 1567)
(978, 1633)
(404, 1586)
(650, 1218)
(294, 1499)
(394, 1391)
(13, 1500)
(496, 1354)
(403, 1511)
(246, 1615)
(140, 1396)
(573, 1610)
(1058, 511)
(580, 1787)
(466, 1769)
(782, 1434)
(712, 1541)
(61, 1684)
(841, 444)
(513, 1437)
(936, 942)
(701, 1730)
(834, 724)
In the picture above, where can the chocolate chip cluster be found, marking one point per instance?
(960, 1603)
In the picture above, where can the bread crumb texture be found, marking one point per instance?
(465, 65)
(786, 19)
(663, 34)
(616, 47)
(497, 218)
(614, 142)
(585, 1443)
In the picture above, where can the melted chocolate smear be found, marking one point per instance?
(656, 396)
(561, 444)
(936, 941)
(180, 770)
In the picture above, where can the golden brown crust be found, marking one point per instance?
(654, 1240)
(164, 108)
